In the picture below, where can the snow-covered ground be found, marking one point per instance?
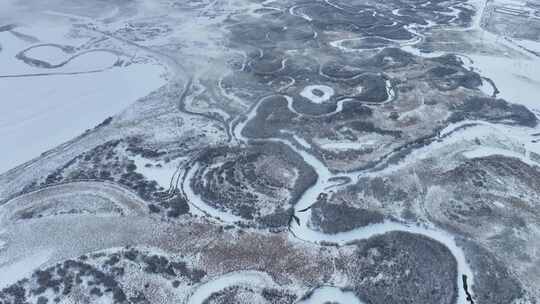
(325, 92)
(303, 231)
(517, 79)
(6, 10)
(12, 271)
(161, 172)
(41, 112)
(329, 294)
(54, 49)
(200, 206)
(49, 53)
(244, 278)
(108, 196)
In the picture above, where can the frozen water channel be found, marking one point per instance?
(253, 279)
(330, 294)
(301, 230)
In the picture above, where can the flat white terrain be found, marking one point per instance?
(42, 111)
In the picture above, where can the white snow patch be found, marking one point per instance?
(487, 88)
(518, 80)
(159, 171)
(242, 278)
(87, 60)
(488, 151)
(43, 112)
(49, 53)
(346, 145)
(327, 91)
(7, 9)
(329, 294)
(12, 271)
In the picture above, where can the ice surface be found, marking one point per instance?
(40, 113)
(331, 294)
(327, 93)
(242, 278)
(518, 80)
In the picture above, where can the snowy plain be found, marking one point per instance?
(41, 112)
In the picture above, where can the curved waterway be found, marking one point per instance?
(331, 294)
(300, 228)
(252, 279)
(259, 280)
